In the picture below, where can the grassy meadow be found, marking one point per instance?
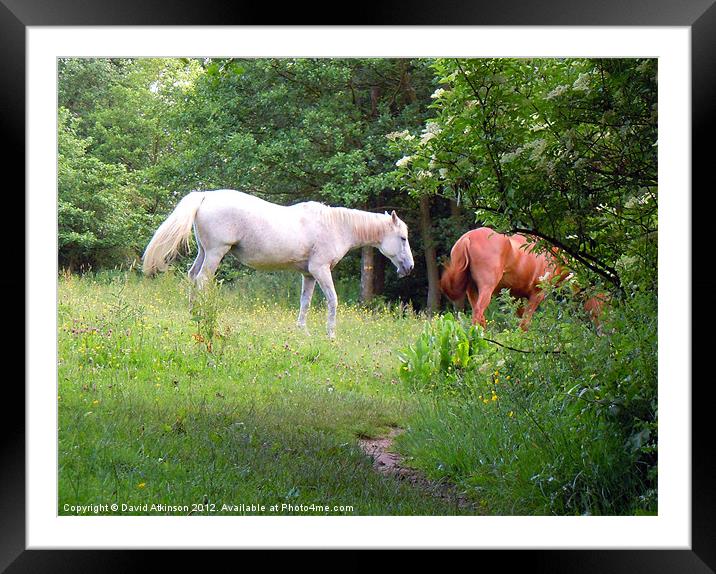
(225, 407)
(228, 405)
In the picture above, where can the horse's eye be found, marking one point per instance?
(404, 238)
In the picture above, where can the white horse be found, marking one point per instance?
(309, 237)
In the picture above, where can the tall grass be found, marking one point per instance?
(560, 420)
(226, 401)
(149, 413)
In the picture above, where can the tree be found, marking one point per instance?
(564, 150)
(97, 219)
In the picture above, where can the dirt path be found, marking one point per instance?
(390, 464)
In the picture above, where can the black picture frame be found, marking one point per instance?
(699, 15)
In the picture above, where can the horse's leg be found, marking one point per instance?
(472, 296)
(322, 274)
(594, 306)
(196, 266)
(485, 285)
(307, 285)
(198, 262)
(532, 303)
(483, 302)
(212, 258)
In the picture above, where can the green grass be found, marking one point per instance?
(227, 402)
(268, 416)
(556, 421)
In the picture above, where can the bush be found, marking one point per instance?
(558, 420)
(444, 357)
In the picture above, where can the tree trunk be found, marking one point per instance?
(455, 210)
(405, 82)
(368, 257)
(431, 262)
(379, 275)
(367, 269)
(374, 97)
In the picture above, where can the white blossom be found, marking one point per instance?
(636, 200)
(403, 161)
(429, 132)
(538, 148)
(510, 155)
(581, 83)
(404, 135)
(558, 91)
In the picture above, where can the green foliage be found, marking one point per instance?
(292, 128)
(443, 356)
(85, 84)
(95, 208)
(563, 149)
(558, 420)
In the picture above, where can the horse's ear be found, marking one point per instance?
(395, 217)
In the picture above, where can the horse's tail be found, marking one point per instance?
(170, 236)
(456, 276)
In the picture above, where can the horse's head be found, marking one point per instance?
(395, 246)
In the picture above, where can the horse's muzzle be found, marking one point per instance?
(404, 271)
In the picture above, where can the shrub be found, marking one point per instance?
(443, 357)
(205, 313)
(558, 420)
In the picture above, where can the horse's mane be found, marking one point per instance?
(366, 226)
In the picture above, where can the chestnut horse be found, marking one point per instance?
(482, 262)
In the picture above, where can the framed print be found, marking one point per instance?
(40, 517)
